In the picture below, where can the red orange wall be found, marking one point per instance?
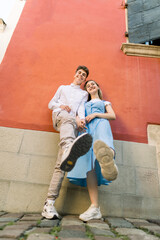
(51, 39)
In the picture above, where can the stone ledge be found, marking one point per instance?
(141, 50)
(27, 159)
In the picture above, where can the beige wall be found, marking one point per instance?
(27, 161)
(154, 140)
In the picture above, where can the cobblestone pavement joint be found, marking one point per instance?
(31, 226)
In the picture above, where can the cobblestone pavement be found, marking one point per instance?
(33, 227)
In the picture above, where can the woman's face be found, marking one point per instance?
(92, 87)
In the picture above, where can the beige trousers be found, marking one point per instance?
(66, 125)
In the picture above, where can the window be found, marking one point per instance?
(143, 28)
(5, 9)
(2, 25)
(10, 11)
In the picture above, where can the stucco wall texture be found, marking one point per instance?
(51, 39)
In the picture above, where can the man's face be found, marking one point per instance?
(80, 77)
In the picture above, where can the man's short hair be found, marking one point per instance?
(84, 68)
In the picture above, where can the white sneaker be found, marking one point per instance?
(49, 210)
(91, 213)
(79, 147)
(105, 156)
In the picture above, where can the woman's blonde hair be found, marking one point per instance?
(99, 90)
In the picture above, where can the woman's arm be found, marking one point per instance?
(110, 114)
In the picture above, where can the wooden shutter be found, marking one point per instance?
(143, 20)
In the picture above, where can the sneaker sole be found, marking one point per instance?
(105, 156)
(44, 214)
(86, 220)
(80, 147)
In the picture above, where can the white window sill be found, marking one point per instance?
(141, 50)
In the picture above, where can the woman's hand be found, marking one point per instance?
(109, 114)
(90, 117)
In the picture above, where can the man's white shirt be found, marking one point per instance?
(71, 95)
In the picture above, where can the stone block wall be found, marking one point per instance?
(27, 160)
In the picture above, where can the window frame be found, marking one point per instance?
(136, 49)
(11, 23)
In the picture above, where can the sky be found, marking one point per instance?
(5, 8)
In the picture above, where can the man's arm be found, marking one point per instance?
(80, 119)
(81, 109)
(54, 101)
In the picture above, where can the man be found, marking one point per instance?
(68, 117)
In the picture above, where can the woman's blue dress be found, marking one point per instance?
(100, 129)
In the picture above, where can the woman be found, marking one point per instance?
(97, 166)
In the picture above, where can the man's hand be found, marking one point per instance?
(81, 125)
(66, 108)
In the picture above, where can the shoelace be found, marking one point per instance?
(87, 212)
(50, 205)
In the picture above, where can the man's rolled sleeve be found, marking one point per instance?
(81, 109)
(54, 101)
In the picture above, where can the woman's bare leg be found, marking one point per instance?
(92, 187)
(93, 212)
